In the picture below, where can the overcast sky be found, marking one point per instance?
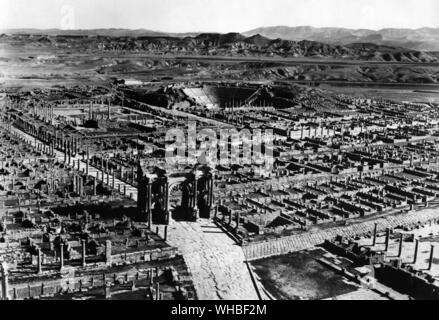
(217, 15)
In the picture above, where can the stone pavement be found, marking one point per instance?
(215, 261)
(308, 240)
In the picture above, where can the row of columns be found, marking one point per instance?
(400, 248)
(43, 110)
(61, 255)
(92, 114)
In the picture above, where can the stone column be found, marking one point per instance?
(149, 199)
(400, 245)
(64, 148)
(211, 192)
(151, 276)
(166, 204)
(415, 258)
(39, 269)
(88, 159)
(5, 281)
(108, 252)
(166, 233)
(107, 290)
(108, 110)
(94, 186)
(69, 151)
(238, 218)
(157, 291)
(80, 185)
(387, 239)
(74, 145)
(430, 262)
(74, 183)
(195, 198)
(374, 234)
(61, 255)
(83, 253)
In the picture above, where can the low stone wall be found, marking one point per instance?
(284, 245)
(407, 282)
(92, 276)
(67, 281)
(144, 256)
(71, 280)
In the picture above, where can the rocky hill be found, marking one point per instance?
(230, 44)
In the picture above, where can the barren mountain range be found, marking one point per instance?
(230, 44)
(57, 56)
(422, 39)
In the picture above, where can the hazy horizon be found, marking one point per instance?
(213, 31)
(195, 16)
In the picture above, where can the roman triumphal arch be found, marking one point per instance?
(155, 187)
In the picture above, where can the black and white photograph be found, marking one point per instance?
(218, 150)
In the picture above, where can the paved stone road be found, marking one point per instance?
(217, 264)
(215, 261)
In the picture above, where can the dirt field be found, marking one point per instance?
(299, 276)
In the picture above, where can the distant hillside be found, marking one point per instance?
(423, 39)
(112, 32)
(230, 44)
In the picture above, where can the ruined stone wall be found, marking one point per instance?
(406, 282)
(70, 280)
(143, 256)
(68, 283)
